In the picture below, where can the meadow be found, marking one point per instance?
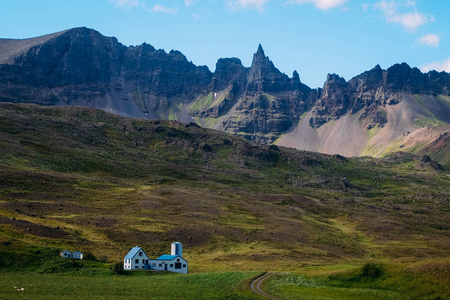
(138, 285)
(81, 280)
(81, 179)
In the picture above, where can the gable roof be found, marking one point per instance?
(133, 252)
(167, 257)
(77, 252)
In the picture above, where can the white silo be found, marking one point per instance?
(177, 249)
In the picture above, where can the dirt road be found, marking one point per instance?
(256, 286)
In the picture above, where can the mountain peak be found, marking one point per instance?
(260, 50)
(377, 67)
(260, 59)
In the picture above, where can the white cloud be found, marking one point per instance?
(164, 9)
(259, 4)
(189, 2)
(437, 66)
(321, 4)
(126, 3)
(247, 4)
(365, 7)
(430, 39)
(394, 12)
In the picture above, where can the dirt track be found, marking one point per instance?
(256, 286)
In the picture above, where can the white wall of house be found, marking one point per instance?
(137, 262)
(178, 264)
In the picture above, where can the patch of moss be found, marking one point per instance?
(423, 121)
(201, 103)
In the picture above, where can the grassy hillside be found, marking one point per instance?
(423, 280)
(77, 178)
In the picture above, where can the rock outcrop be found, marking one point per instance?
(372, 89)
(270, 103)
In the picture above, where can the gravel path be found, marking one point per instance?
(256, 285)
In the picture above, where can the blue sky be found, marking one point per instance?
(314, 37)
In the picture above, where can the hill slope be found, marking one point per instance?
(79, 178)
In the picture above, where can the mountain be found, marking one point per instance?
(81, 178)
(82, 67)
(375, 113)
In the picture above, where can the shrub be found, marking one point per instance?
(118, 268)
(371, 270)
(103, 258)
(88, 255)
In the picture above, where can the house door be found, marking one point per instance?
(165, 267)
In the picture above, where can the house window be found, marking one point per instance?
(136, 261)
(160, 265)
(178, 260)
(177, 265)
(136, 267)
(154, 265)
(171, 265)
(140, 253)
(184, 265)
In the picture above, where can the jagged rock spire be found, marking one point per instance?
(260, 59)
(295, 76)
(260, 50)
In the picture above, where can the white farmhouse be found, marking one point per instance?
(135, 259)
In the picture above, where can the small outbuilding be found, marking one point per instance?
(74, 255)
(66, 254)
(77, 255)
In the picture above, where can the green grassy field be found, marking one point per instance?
(140, 285)
(424, 280)
(81, 179)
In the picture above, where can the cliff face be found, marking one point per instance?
(269, 103)
(84, 68)
(80, 66)
(373, 89)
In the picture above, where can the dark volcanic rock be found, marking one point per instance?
(270, 103)
(367, 92)
(229, 71)
(401, 77)
(75, 57)
(263, 76)
(80, 65)
(333, 101)
(84, 68)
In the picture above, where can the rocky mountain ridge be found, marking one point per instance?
(81, 67)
